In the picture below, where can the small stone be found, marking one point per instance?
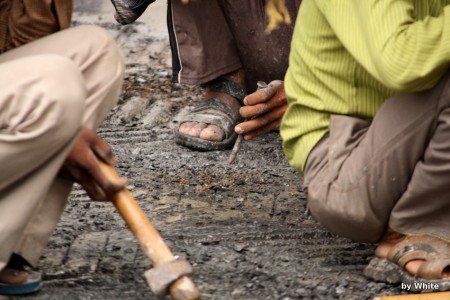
(321, 289)
(340, 290)
(240, 247)
(302, 292)
(237, 292)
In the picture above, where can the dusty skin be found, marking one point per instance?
(243, 226)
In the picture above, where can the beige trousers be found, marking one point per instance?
(49, 89)
(393, 171)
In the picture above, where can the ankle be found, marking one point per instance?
(237, 76)
(229, 100)
(18, 262)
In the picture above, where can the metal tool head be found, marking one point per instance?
(161, 277)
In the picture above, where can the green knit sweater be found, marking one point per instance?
(348, 56)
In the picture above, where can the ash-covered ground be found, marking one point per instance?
(243, 226)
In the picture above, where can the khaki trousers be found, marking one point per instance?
(210, 38)
(393, 171)
(49, 89)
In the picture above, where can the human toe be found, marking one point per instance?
(212, 133)
(185, 127)
(196, 129)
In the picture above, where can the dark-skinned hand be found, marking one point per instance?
(82, 166)
(263, 110)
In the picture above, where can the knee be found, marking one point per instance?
(103, 45)
(60, 94)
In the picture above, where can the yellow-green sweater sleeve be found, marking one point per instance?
(348, 56)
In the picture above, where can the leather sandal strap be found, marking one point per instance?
(217, 104)
(434, 267)
(434, 252)
(226, 122)
(227, 87)
(411, 252)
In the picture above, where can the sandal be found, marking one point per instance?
(435, 254)
(225, 122)
(128, 11)
(17, 278)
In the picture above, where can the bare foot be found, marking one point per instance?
(213, 132)
(389, 241)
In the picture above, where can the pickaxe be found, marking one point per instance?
(169, 275)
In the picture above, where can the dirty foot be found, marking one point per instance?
(210, 125)
(389, 241)
(212, 132)
(19, 279)
(205, 131)
(11, 276)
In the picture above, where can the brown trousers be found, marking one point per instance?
(49, 89)
(210, 38)
(23, 21)
(394, 171)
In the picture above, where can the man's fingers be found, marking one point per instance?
(83, 163)
(264, 94)
(262, 108)
(91, 166)
(263, 130)
(253, 111)
(106, 184)
(261, 121)
(86, 181)
(92, 189)
(264, 100)
(260, 96)
(102, 149)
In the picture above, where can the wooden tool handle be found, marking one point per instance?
(427, 296)
(151, 242)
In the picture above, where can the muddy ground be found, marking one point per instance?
(242, 226)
